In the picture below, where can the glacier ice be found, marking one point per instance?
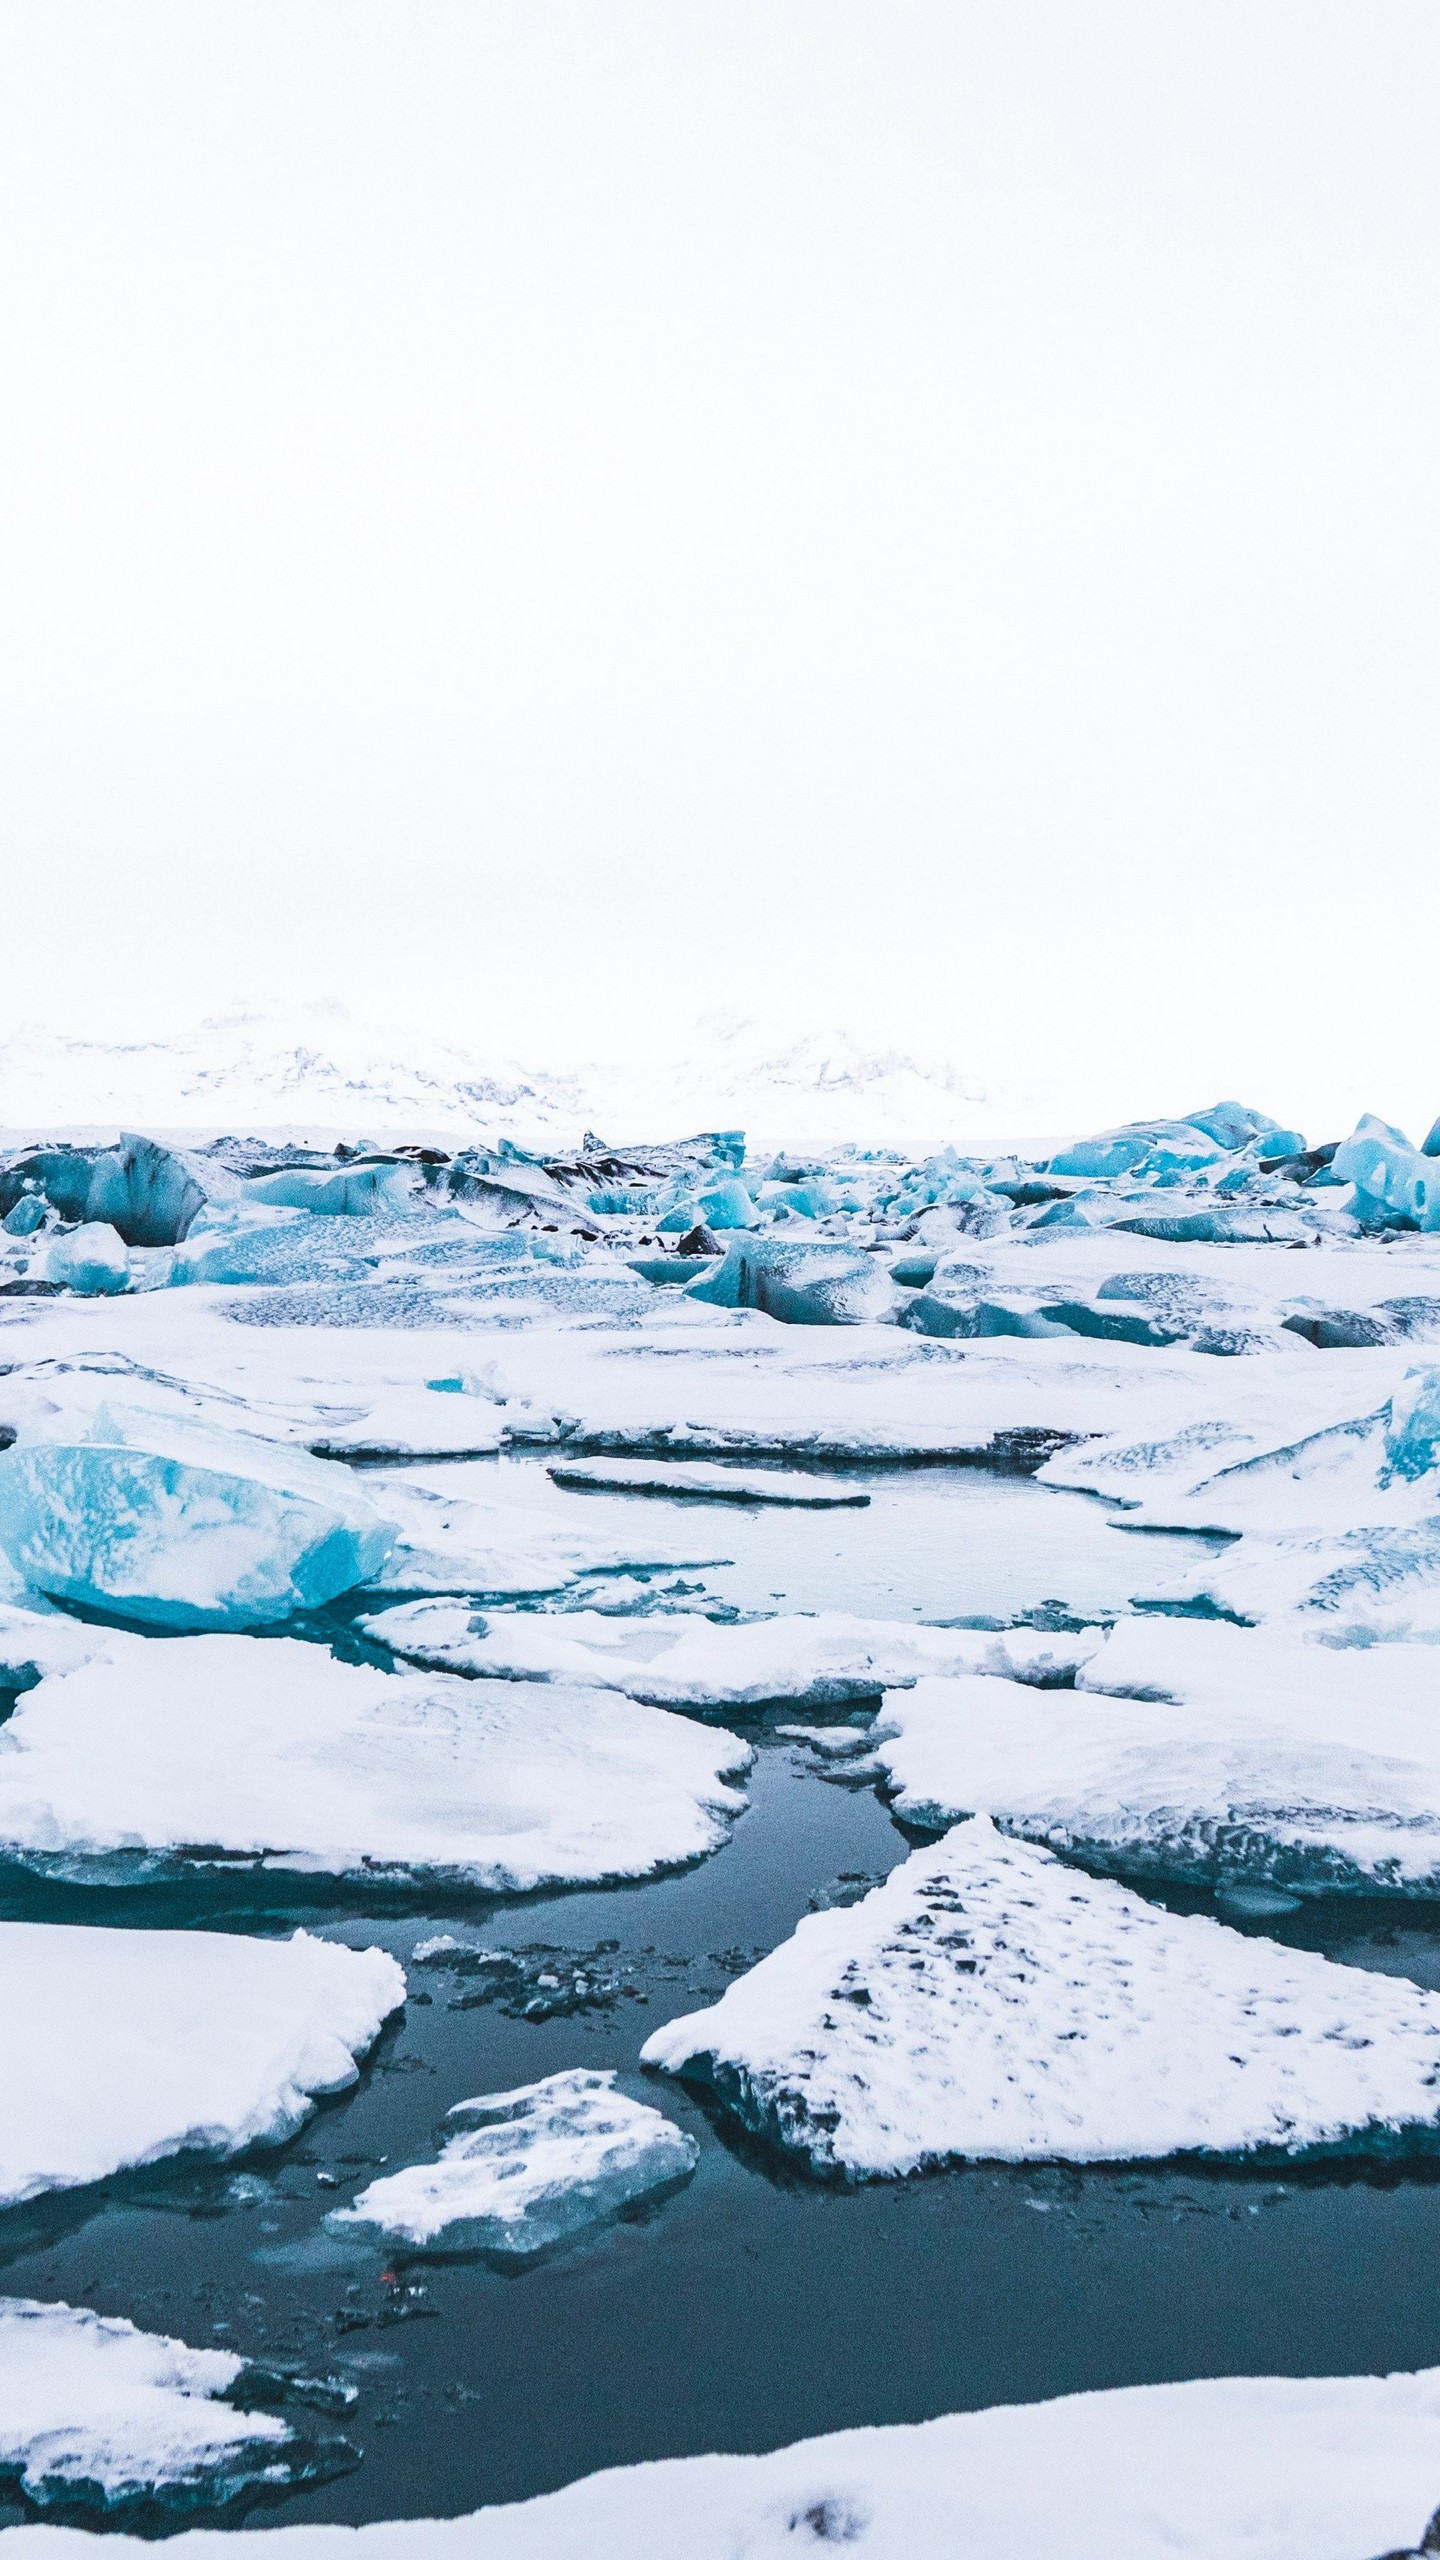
(149, 1193)
(91, 1259)
(149, 1757)
(528, 2169)
(1191, 1751)
(141, 2043)
(1394, 1182)
(97, 2414)
(989, 2003)
(175, 1524)
(354, 1191)
(800, 1283)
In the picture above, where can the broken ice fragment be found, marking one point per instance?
(538, 2166)
(177, 1525)
(988, 2003)
(91, 1260)
(139, 2043)
(704, 1482)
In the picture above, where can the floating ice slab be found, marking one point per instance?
(500, 1548)
(1212, 1755)
(176, 1525)
(1266, 2469)
(536, 2166)
(130, 2044)
(988, 2003)
(277, 1754)
(701, 1483)
(97, 2413)
(692, 1662)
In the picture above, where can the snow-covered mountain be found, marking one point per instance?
(327, 1072)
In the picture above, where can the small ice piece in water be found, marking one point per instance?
(703, 1482)
(92, 1260)
(1255, 1901)
(97, 2414)
(535, 2167)
(129, 2045)
(177, 1525)
(989, 2003)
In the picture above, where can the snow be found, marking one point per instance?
(96, 2411)
(140, 2043)
(179, 1525)
(1196, 1751)
(701, 1483)
(1235, 2469)
(279, 1755)
(988, 2003)
(534, 2167)
(689, 1661)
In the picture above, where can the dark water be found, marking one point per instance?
(755, 2306)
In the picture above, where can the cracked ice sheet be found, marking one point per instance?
(1267, 2469)
(140, 2043)
(278, 1754)
(989, 2003)
(1194, 1752)
(101, 2411)
(529, 2168)
(693, 1662)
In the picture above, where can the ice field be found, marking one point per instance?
(655, 1807)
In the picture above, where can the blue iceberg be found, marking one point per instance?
(92, 1260)
(1395, 1184)
(174, 1525)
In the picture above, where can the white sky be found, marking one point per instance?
(555, 517)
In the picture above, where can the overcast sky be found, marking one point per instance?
(556, 517)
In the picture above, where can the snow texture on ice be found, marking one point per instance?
(531, 2168)
(702, 1483)
(989, 2003)
(279, 1755)
(128, 2045)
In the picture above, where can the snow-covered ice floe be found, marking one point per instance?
(180, 1525)
(692, 1661)
(701, 1483)
(494, 1548)
(96, 2413)
(128, 2045)
(1192, 1751)
(1263, 2469)
(529, 2168)
(116, 1767)
(988, 2003)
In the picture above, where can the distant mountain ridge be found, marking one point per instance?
(320, 1069)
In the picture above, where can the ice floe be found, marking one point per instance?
(989, 2003)
(153, 1757)
(98, 2414)
(701, 1483)
(129, 2045)
(530, 2168)
(691, 1661)
(1191, 1751)
(1238, 2469)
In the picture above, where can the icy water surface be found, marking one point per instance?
(755, 2306)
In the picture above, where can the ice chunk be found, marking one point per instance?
(176, 1525)
(91, 1260)
(700, 1482)
(989, 2003)
(1394, 1182)
(139, 2043)
(1233, 1124)
(96, 2413)
(801, 1283)
(280, 1756)
(148, 1193)
(1192, 1751)
(538, 2166)
(27, 1214)
(692, 1662)
(354, 1191)
(1412, 1434)
(727, 1204)
(1117, 1151)
(434, 1421)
